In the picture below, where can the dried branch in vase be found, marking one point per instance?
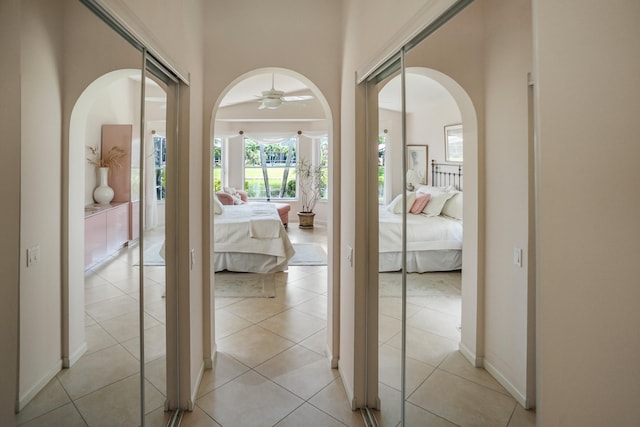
(111, 160)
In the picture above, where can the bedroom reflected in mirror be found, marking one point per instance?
(417, 156)
(453, 143)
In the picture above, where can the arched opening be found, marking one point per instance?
(115, 261)
(301, 127)
(426, 300)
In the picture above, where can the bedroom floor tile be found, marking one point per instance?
(249, 400)
(317, 342)
(294, 325)
(316, 307)
(90, 373)
(257, 309)
(64, 416)
(456, 364)
(51, 397)
(196, 418)
(333, 400)
(253, 345)
(119, 403)
(228, 323)
(390, 369)
(301, 371)
(462, 401)
(308, 415)
(436, 322)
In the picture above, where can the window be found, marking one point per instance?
(382, 149)
(324, 165)
(269, 169)
(160, 154)
(217, 164)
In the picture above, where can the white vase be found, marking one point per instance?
(103, 194)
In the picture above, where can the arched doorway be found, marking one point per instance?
(421, 319)
(238, 116)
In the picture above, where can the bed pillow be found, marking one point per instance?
(396, 205)
(420, 203)
(435, 205)
(217, 206)
(238, 197)
(453, 207)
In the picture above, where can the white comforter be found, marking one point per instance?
(424, 233)
(252, 228)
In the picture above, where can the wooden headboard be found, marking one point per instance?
(445, 174)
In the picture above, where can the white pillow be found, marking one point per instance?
(396, 205)
(453, 207)
(435, 205)
(217, 206)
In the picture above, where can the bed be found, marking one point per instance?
(250, 238)
(434, 228)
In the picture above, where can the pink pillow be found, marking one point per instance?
(420, 203)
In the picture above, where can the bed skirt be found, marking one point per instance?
(248, 263)
(422, 261)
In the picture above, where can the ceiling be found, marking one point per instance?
(421, 91)
(241, 103)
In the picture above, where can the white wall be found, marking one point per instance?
(508, 59)
(116, 103)
(427, 127)
(40, 200)
(588, 104)
(10, 253)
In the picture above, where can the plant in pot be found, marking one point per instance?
(311, 182)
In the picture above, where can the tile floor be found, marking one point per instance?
(102, 387)
(270, 368)
(442, 388)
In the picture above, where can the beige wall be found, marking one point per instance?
(40, 192)
(507, 61)
(10, 85)
(588, 84)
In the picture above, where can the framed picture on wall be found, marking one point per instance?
(417, 159)
(453, 143)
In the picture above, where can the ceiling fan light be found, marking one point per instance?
(271, 103)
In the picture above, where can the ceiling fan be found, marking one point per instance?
(272, 99)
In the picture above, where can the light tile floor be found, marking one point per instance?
(442, 388)
(271, 368)
(103, 386)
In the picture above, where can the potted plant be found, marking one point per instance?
(311, 182)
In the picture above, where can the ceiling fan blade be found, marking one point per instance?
(294, 98)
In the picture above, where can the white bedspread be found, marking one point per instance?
(423, 233)
(252, 228)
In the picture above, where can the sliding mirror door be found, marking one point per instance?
(388, 203)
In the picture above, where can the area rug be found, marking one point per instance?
(308, 254)
(152, 254)
(244, 285)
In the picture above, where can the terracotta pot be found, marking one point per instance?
(306, 219)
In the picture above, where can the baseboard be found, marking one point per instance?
(71, 360)
(333, 361)
(26, 397)
(522, 400)
(194, 392)
(348, 391)
(475, 361)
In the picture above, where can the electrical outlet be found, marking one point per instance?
(350, 255)
(517, 257)
(33, 255)
(193, 258)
